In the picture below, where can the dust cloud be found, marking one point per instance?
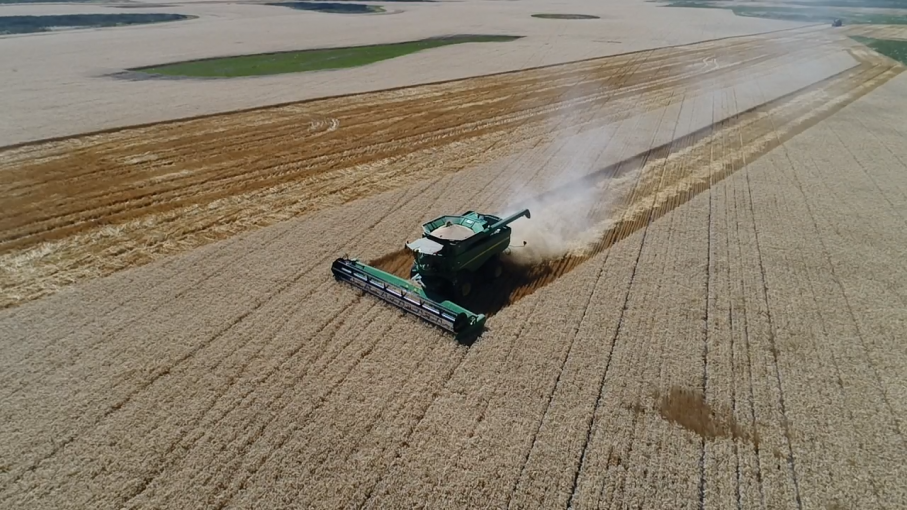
(568, 205)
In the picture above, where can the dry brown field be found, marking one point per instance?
(710, 312)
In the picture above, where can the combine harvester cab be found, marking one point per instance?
(452, 253)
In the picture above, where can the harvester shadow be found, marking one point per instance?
(518, 282)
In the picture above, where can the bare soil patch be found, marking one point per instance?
(689, 409)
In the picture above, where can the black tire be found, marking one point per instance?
(493, 269)
(462, 286)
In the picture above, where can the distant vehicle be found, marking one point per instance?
(837, 22)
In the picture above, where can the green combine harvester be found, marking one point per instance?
(453, 253)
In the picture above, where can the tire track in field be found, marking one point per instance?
(843, 294)
(410, 351)
(744, 328)
(566, 358)
(155, 376)
(575, 487)
(563, 360)
(785, 423)
(721, 149)
(228, 476)
(719, 277)
(578, 457)
(811, 296)
(159, 373)
(757, 329)
(682, 154)
(662, 174)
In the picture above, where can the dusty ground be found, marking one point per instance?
(56, 84)
(729, 334)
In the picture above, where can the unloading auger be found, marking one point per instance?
(453, 253)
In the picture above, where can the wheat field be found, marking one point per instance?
(724, 329)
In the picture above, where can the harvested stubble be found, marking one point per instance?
(172, 187)
(240, 374)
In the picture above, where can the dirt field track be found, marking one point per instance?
(725, 332)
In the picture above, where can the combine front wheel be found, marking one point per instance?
(462, 285)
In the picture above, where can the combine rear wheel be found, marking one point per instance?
(493, 269)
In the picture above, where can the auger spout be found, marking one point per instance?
(510, 219)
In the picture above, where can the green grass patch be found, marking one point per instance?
(31, 24)
(331, 7)
(308, 60)
(896, 50)
(803, 11)
(565, 16)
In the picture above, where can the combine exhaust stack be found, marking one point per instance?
(409, 297)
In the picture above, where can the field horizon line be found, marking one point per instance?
(115, 129)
